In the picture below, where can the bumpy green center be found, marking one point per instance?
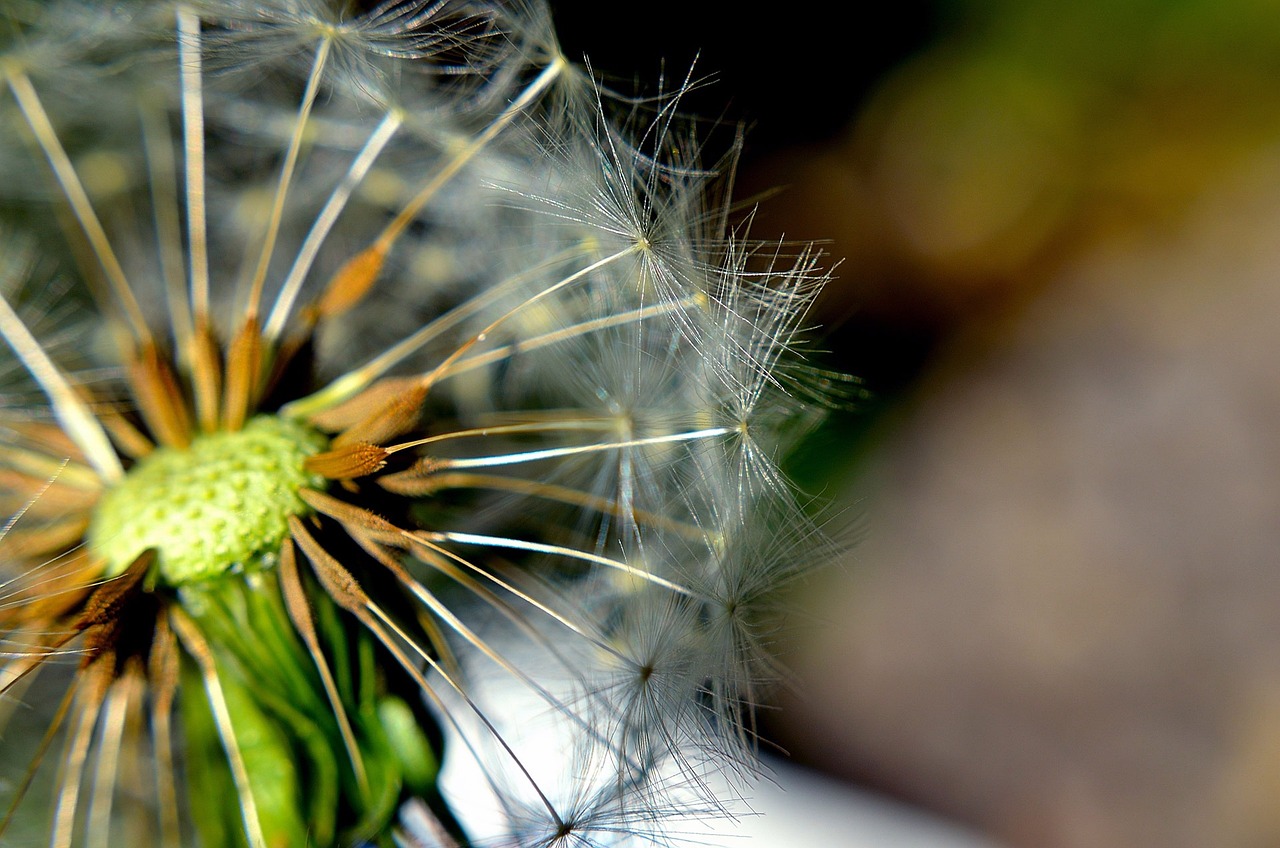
(212, 506)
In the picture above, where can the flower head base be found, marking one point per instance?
(411, 382)
(206, 508)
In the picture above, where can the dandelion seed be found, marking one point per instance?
(392, 376)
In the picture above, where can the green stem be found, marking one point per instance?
(307, 794)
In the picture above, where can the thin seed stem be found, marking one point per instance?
(507, 610)
(324, 223)
(554, 453)
(428, 548)
(64, 817)
(443, 368)
(102, 789)
(56, 572)
(189, 60)
(591, 424)
(33, 110)
(373, 624)
(562, 494)
(497, 354)
(353, 382)
(429, 625)
(286, 175)
(442, 611)
(24, 663)
(370, 260)
(72, 413)
(442, 560)
(17, 516)
(161, 165)
(55, 725)
(346, 592)
(200, 651)
(557, 550)
(299, 610)
(469, 151)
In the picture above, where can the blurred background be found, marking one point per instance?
(1058, 623)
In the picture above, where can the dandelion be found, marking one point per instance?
(377, 395)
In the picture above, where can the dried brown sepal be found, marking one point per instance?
(391, 419)
(244, 372)
(345, 463)
(299, 609)
(418, 480)
(336, 580)
(159, 398)
(163, 667)
(354, 410)
(351, 282)
(99, 645)
(98, 674)
(206, 373)
(127, 438)
(104, 605)
(352, 516)
(295, 598)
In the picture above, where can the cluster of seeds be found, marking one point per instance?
(384, 393)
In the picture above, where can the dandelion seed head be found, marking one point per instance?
(433, 413)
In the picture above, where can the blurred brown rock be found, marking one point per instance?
(1064, 623)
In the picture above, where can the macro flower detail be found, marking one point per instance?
(378, 401)
(224, 499)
